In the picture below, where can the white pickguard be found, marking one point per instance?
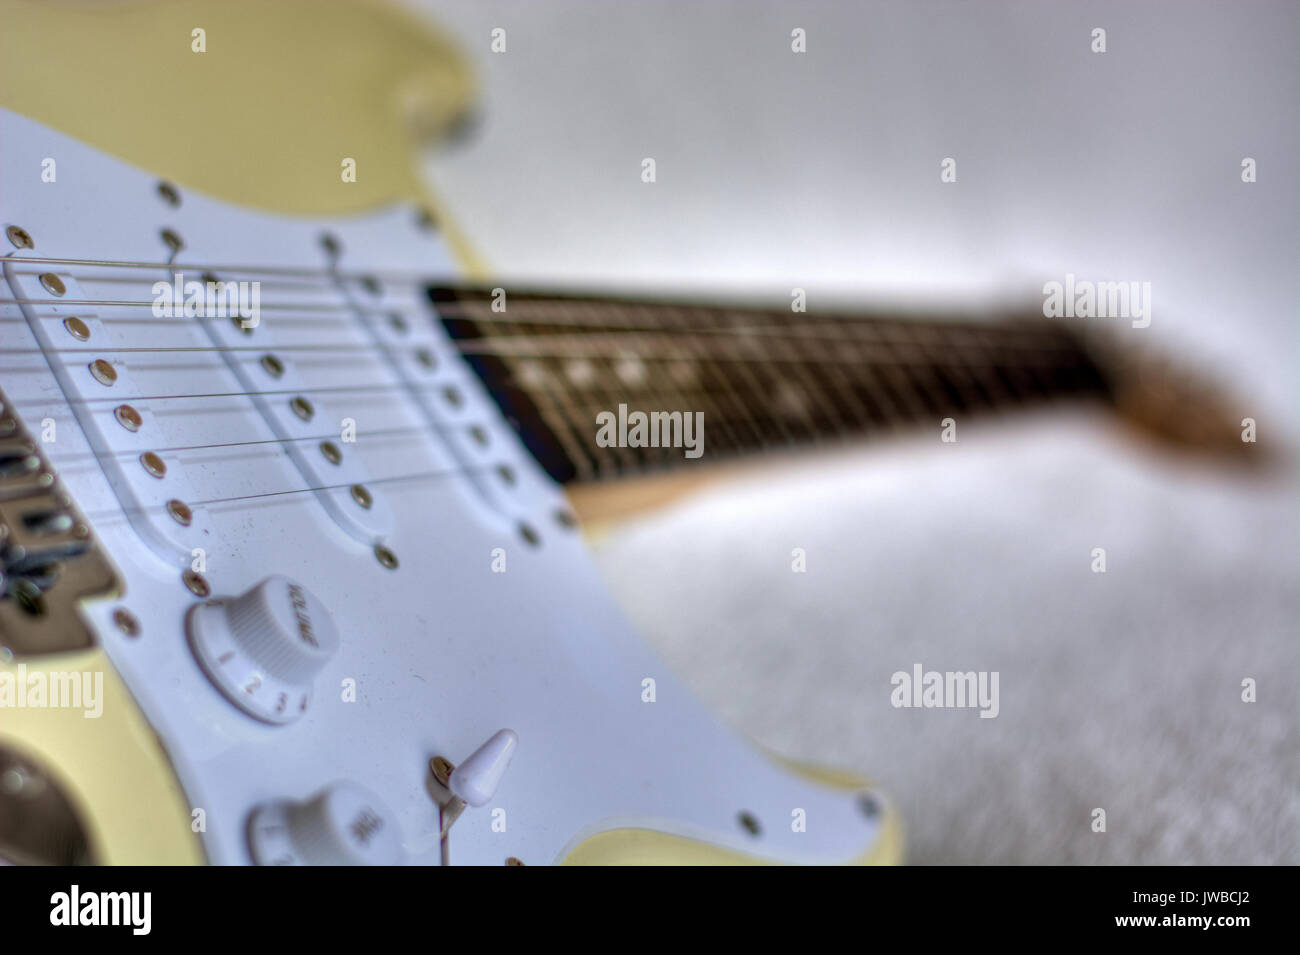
(443, 650)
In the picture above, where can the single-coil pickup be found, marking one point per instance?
(311, 434)
(121, 429)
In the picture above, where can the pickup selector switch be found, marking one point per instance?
(343, 824)
(264, 648)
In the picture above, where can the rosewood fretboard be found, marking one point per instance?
(763, 379)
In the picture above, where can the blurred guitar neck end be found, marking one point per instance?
(1168, 402)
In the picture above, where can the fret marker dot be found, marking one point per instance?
(531, 373)
(631, 370)
(580, 372)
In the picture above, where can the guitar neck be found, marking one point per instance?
(762, 380)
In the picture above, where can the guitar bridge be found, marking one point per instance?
(49, 559)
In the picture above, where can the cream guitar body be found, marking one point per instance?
(326, 566)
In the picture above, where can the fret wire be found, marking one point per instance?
(842, 386)
(649, 384)
(760, 393)
(568, 410)
(818, 391)
(626, 457)
(731, 424)
(968, 391)
(563, 413)
(729, 435)
(748, 387)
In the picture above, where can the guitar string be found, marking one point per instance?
(472, 345)
(122, 513)
(834, 327)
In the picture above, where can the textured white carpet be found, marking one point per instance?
(1119, 690)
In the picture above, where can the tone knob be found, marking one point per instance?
(263, 649)
(344, 824)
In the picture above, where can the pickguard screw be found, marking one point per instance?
(479, 435)
(514, 860)
(197, 583)
(330, 451)
(272, 366)
(128, 418)
(103, 372)
(238, 322)
(425, 358)
(386, 556)
(868, 805)
(126, 622)
(397, 323)
(330, 244)
(565, 518)
(172, 240)
(170, 194)
(53, 284)
(749, 823)
(362, 496)
(180, 512)
(370, 284)
(453, 396)
(153, 464)
(20, 237)
(507, 474)
(77, 328)
(529, 535)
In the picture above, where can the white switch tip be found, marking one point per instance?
(475, 780)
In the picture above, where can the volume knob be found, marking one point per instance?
(344, 824)
(263, 649)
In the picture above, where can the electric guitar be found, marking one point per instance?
(291, 493)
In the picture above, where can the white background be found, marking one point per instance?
(821, 170)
